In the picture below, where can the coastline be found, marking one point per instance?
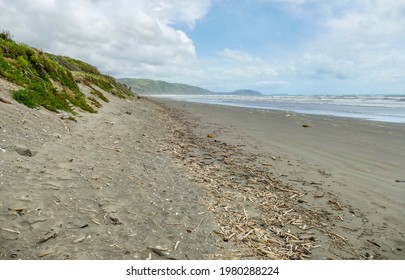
(381, 108)
(350, 169)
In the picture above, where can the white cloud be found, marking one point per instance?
(372, 36)
(359, 46)
(120, 37)
(233, 69)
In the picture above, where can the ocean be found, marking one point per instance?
(381, 108)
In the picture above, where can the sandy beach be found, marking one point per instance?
(348, 169)
(146, 179)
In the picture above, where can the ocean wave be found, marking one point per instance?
(379, 108)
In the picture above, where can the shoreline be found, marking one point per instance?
(349, 168)
(367, 112)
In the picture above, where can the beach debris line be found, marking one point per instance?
(226, 180)
(282, 226)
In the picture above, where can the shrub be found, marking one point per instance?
(6, 35)
(25, 97)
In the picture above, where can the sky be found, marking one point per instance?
(274, 46)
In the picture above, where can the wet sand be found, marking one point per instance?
(352, 169)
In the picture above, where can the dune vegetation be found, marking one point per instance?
(51, 81)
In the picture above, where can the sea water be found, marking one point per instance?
(381, 108)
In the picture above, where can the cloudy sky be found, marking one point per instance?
(275, 46)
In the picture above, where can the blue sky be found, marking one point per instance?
(260, 28)
(275, 46)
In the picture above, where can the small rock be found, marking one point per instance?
(210, 135)
(24, 152)
(114, 219)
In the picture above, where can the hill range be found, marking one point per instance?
(156, 87)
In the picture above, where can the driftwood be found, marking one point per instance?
(4, 101)
(43, 240)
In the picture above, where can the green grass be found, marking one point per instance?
(99, 95)
(95, 102)
(47, 79)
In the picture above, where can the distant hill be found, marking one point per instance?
(246, 92)
(147, 86)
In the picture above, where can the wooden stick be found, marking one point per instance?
(96, 222)
(246, 235)
(372, 242)
(177, 245)
(339, 236)
(10, 230)
(298, 181)
(291, 235)
(198, 225)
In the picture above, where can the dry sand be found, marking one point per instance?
(101, 188)
(141, 180)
